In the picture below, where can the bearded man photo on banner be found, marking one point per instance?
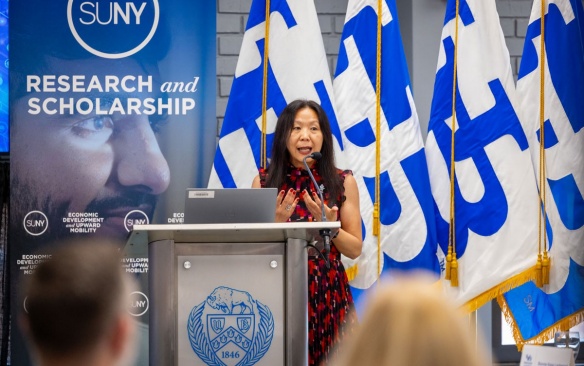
(95, 89)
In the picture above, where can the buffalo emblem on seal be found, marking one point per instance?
(230, 328)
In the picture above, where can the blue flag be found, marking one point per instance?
(296, 68)
(495, 195)
(534, 313)
(407, 238)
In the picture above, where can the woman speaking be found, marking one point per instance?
(303, 129)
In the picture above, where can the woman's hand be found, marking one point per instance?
(285, 205)
(313, 204)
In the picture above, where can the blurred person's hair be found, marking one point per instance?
(409, 322)
(75, 299)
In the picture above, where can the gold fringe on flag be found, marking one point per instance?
(475, 303)
(352, 272)
(545, 335)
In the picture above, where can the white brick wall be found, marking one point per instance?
(514, 16)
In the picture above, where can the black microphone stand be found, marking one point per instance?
(324, 233)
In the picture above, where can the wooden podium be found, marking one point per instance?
(227, 294)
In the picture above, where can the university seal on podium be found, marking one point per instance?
(230, 328)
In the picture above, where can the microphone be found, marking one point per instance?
(325, 233)
(315, 156)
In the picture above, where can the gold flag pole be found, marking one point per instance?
(451, 260)
(263, 148)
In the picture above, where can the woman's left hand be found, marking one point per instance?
(313, 204)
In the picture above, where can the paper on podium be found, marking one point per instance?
(533, 355)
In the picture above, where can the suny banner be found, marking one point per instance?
(112, 113)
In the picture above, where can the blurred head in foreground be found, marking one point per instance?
(409, 322)
(75, 307)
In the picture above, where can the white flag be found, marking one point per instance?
(496, 200)
(535, 313)
(407, 237)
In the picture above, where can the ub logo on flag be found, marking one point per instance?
(494, 208)
(294, 67)
(407, 237)
(222, 330)
(560, 304)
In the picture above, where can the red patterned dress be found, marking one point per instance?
(331, 313)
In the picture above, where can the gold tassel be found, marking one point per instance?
(447, 273)
(545, 269)
(376, 219)
(538, 272)
(454, 272)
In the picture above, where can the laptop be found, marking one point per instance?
(230, 205)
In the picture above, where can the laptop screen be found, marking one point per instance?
(230, 205)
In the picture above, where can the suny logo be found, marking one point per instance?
(113, 29)
(139, 303)
(135, 217)
(35, 223)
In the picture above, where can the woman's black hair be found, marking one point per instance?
(280, 158)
